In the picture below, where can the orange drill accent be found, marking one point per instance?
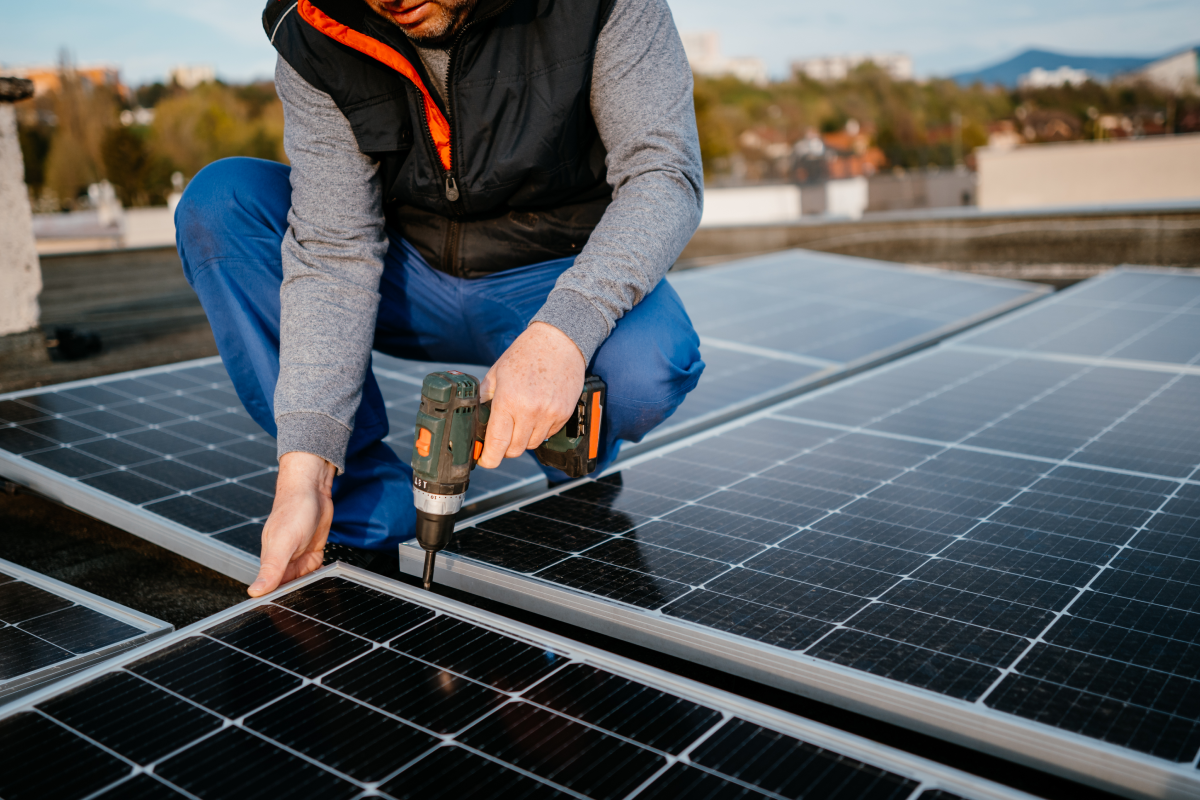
(478, 449)
(424, 439)
(594, 433)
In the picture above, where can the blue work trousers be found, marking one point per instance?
(229, 228)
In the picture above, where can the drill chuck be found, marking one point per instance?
(435, 525)
(446, 505)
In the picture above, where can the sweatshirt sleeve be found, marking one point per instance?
(642, 102)
(333, 255)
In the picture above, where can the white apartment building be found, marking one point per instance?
(835, 68)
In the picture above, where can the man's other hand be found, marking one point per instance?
(534, 388)
(293, 540)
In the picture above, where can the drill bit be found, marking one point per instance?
(430, 558)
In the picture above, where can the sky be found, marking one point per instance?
(146, 37)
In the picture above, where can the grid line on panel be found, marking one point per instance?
(1081, 322)
(967, 447)
(1070, 358)
(1058, 330)
(1006, 670)
(1040, 638)
(966, 439)
(1151, 743)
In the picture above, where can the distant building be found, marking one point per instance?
(1090, 173)
(1179, 73)
(191, 76)
(703, 50)
(836, 68)
(1038, 78)
(49, 79)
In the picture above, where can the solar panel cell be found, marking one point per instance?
(563, 750)
(355, 608)
(196, 514)
(426, 695)
(784, 766)
(351, 738)
(237, 763)
(187, 668)
(22, 653)
(749, 619)
(647, 716)
(294, 642)
(35, 754)
(140, 787)
(80, 630)
(131, 717)
(451, 773)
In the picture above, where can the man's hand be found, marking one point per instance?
(293, 539)
(533, 388)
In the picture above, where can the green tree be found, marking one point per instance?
(193, 129)
(84, 114)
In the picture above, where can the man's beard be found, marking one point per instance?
(451, 15)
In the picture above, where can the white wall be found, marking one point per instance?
(20, 273)
(149, 227)
(1087, 173)
(846, 198)
(751, 205)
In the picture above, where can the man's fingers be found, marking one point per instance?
(303, 564)
(521, 435)
(541, 433)
(487, 389)
(270, 574)
(499, 435)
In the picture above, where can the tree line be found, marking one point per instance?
(78, 135)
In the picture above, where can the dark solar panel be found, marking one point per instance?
(170, 454)
(1014, 536)
(348, 683)
(49, 630)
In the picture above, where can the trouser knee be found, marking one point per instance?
(229, 206)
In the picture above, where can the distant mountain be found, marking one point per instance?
(1007, 72)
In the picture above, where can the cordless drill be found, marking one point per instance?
(451, 428)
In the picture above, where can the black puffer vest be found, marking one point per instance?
(510, 171)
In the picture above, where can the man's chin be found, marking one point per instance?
(427, 31)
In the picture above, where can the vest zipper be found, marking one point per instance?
(450, 251)
(452, 193)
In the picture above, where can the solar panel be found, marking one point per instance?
(49, 630)
(344, 683)
(1140, 316)
(774, 326)
(169, 454)
(997, 548)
